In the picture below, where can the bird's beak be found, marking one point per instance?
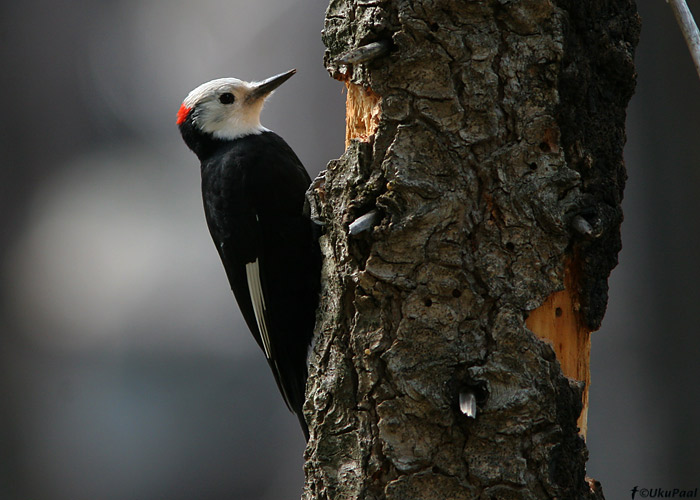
(263, 88)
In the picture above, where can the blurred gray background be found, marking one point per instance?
(126, 371)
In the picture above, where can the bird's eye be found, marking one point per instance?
(226, 98)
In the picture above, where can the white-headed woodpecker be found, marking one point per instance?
(254, 188)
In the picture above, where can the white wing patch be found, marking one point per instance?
(252, 271)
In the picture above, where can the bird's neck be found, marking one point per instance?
(203, 144)
(245, 122)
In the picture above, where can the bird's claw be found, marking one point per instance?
(315, 196)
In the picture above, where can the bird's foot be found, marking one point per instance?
(315, 197)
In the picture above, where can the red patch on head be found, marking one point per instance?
(182, 114)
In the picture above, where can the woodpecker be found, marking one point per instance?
(253, 187)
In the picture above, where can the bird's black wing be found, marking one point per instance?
(254, 195)
(235, 230)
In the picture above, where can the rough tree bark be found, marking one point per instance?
(489, 138)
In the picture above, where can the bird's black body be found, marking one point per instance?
(254, 190)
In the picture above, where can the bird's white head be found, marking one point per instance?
(228, 108)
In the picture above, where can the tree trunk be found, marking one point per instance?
(489, 139)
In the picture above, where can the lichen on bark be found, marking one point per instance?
(477, 166)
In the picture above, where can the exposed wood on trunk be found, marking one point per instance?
(362, 112)
(558, 320)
